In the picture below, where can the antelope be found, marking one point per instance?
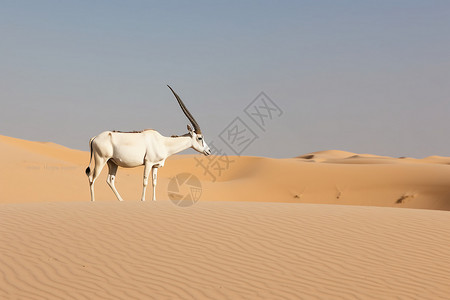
(147, 147)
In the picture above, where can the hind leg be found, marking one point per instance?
(111, 178)
(99, 164)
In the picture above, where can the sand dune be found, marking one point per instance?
(222, 250)
(238, 242)
(46, 172)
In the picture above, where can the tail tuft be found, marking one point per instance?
(88, 171)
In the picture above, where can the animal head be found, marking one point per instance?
(198, 140)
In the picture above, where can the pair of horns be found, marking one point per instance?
(186, 112)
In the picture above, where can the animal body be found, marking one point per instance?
(147, 147)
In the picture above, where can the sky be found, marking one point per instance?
(361, 76)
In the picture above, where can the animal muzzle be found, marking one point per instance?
(207, 152)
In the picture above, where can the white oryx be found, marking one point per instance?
(147, 147)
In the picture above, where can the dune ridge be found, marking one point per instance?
(222, 250)
(46, 172)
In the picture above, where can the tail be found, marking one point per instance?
(88, 169)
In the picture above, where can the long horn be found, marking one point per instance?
(186, 112)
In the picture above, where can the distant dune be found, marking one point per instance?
(46, 172)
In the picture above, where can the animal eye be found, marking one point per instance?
(200, 138)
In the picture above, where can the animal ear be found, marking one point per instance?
(189, 128)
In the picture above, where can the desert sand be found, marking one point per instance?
(222, 250)
(324, 225)
(46, 172)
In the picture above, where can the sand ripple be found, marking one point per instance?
(217, 250)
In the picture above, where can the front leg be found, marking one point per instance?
(147, 169)
(154, 176)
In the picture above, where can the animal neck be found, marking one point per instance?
(177, 144)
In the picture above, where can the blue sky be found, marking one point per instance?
(361, 76)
